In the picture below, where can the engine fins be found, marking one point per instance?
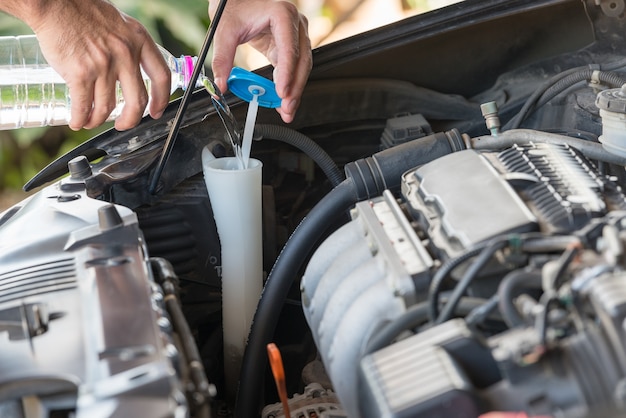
(53, 276)
(565, 192)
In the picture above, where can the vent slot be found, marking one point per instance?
(36, 280)
(568, 191)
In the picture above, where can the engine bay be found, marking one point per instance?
(443, 232)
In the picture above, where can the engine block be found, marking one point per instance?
(82, 325)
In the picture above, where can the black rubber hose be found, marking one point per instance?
(468, 277)
(279, 281)
(613, 80)
(167, 279)
(543, 95)
(516, 121)
(415, 316)
(609, 78)
(482, 312)
(304, 144)
(444, 271)
(510, 287)
(547, 299)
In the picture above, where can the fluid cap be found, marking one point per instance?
(613, 100)
(245, 84)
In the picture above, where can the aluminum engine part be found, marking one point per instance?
(418, 377)
(447, 370)
(315, 401)
(582, 375)
(362, 275)
(82, 327)
(467, 197)
(562, 188)
(461, 200)
(607, 294)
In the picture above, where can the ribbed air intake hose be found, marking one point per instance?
(304, 144)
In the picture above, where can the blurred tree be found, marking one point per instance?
(177, 25)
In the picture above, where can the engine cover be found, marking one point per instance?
(462, 200)
(81, 323)
(468, 197)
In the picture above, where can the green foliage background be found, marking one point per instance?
(179, 26)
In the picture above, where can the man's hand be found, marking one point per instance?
(92, 45)
(276, 29)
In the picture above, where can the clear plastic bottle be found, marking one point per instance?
(33, 94)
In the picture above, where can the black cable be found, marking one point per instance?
(184, 102)
(544, 244)
(612, 80)
(468, 277)
(480, 313)
(516, 121)
(167, 279)
(557, 85)
(530, 102)
(304, 144)
(564, 261)
(442, 274)
(415, 316)
(543, 319)
(510, 288)
(279, 281)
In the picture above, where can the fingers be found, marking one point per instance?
(125, 70)
(130, 56)
(290, 53)
(94, 87)
(135, 100)
(91, 90)
(276, 29)
(227, 38)
(285, 28)
(300, 75)
(103, 104)
(81, 104)
(224, 48)
(98, 50)
(160, 79)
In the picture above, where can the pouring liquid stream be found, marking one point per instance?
(241, 147)
(226, 116)
(248, 130)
